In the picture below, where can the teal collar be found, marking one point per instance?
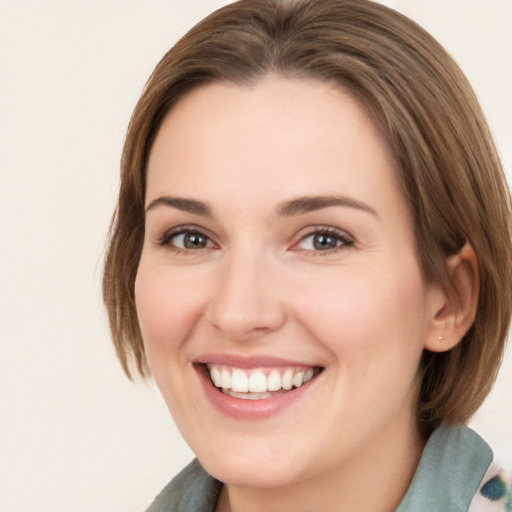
(450, 471)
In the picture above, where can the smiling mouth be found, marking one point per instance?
(259, 383)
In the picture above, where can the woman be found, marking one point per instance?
(311, 255)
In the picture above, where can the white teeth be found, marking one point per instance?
(239, 381)
(247, 396)
(288, 379)
(297, 379)
(308, 375)
(226, 379)
(257, 382)
(274, 382)
(254, 384)
(216, 376)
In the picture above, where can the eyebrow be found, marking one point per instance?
(308, 204)
(180, 203)
(298, 206)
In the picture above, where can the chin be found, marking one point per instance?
(266, 463)
(264, 474)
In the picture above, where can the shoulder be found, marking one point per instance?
(192, 490)
(458, 464)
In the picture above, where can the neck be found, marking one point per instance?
(374, 480)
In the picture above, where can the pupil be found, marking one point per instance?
(194, 241)
(322, 242)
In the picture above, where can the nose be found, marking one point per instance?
(245, 303)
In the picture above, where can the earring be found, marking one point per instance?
(440, 338)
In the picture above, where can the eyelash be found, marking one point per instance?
(343, 241)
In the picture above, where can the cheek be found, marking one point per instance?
(165, 310)
(368, 316)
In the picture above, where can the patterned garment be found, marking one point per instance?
(494, 493)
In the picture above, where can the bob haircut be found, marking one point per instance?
(447, 163)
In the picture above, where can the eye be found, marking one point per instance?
(325, 240)
(186, 239)
(190, 240)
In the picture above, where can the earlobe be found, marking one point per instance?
(454, 310)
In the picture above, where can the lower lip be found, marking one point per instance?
(243, 409)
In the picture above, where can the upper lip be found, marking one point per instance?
(255, 361)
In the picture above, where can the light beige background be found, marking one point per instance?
(74, 434)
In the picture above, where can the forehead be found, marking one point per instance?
(277, 136)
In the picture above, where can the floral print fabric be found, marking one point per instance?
(494, 493)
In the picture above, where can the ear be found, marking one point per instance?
(453, 312)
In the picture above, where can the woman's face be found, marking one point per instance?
(279, 252)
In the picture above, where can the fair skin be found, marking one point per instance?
(238, 274)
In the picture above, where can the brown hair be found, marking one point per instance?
(448, 166)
